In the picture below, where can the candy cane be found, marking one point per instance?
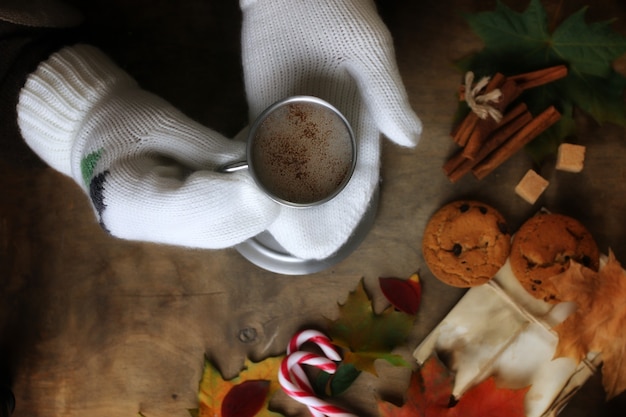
(317, 337)
(294, 381)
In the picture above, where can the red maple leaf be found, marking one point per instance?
(404, 294)
(430, 395)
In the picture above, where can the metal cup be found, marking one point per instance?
(301, 152)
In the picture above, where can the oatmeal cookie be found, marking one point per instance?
(543, 247)
(465, 243)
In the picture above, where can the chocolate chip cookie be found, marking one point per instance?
(543, 247)
(465, 243)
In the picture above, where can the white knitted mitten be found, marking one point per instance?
(148, 169)
(340, 51)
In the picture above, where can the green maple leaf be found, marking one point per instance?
(368, 336)
(521, 42)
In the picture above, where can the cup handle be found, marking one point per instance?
(233, 167)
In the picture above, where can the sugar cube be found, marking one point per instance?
(570, 157)
(531, 186)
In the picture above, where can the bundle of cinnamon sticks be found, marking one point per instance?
(487, 143)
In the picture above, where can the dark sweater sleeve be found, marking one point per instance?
(23, 45)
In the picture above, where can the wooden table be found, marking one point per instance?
(95, 326)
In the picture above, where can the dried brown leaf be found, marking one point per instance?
(599, 321)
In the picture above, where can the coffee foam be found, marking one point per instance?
(302, 152)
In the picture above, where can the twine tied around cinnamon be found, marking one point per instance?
(479, 103)
(487, 142)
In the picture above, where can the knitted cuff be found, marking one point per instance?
(57, 98)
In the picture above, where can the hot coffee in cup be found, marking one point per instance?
(301, 151)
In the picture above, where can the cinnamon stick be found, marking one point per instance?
(458, 166)
(494, 142)
(453, 164)
(514, 122)
(514, 113)
(465, 129)
(540, 77)
(510, 91)
(458, 158)
(535, 127)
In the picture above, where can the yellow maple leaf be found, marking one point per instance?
(214, 390)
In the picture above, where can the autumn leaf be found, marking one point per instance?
(366, 335)
(520, 42)
(430, 395)
(598, 323)
(246, 395)
(404, 295)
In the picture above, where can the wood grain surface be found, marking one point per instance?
(96, 326)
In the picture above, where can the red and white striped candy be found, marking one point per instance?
(316, 337)
(293, 379)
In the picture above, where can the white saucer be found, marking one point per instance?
(263, 250)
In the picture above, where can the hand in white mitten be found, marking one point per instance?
(148, 169)
(340, 51)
